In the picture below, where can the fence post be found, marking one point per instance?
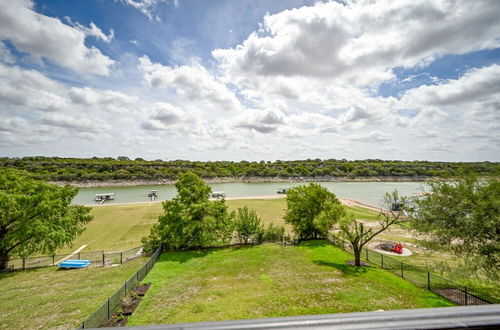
(78, 255)
(366, 253)
(466, 296)
(103, 258)
(53, 260)
(382, 257)
(121, 257)
(429, 281)
(83, 325)
(24, 263)
(402, 275)
(125, 286)
(109, 316)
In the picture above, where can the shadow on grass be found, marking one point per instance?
(344, 268)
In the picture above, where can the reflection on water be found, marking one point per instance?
(366, 192)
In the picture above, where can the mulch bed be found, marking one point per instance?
(458, 296)
(119, 319)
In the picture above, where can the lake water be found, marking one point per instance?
(366, 192)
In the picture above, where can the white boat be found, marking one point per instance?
(218, 194)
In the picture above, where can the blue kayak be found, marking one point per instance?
(73, 263)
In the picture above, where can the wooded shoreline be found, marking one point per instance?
(132, 183)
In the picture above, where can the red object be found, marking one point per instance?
(398, 248)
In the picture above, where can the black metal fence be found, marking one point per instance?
(113, 303)
(97, 258)
(459, 294)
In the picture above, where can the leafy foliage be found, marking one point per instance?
(463, 214)
(190, 220)
(103, 169)
(273, 233)
(312, 210)
(36, 217)
(247, 225)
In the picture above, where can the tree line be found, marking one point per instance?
(123, 168)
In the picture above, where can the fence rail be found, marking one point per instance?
(113, 303)
(97, 258)
(457, 293)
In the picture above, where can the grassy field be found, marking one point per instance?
(121, 227)
(267, 281)
(52, 298)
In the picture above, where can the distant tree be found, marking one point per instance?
(247, 225)
(36, 217)
(312, 210)
(122, 158)
(190, 220)
(463, 214)
(358, 235)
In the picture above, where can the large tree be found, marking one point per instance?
(463, 214)
(36, 217)
(312, 210)
(358, 234)
(191, 220)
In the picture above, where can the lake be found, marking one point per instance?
(366, 192)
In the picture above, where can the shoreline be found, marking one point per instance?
(158, 182)
(344, 201)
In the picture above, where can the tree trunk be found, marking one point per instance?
(357, 255)
(4, 258)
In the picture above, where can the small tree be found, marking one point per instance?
(463, 214)
(358, 235)
(190, 220)
(247, 225)
(312, 210)
(36, 217)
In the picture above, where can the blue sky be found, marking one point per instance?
(254, 80)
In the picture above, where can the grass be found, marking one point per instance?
(52, 298)
(267, 281)
(121, 227)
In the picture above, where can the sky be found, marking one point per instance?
(251, 79)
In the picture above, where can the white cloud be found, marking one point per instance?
(47, 37)
(92, 31)
(147, 7)
(361, 41)
(193, 82)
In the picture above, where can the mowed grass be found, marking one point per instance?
(50, 298)
(268, 281)
(117, 227)
(121, 227)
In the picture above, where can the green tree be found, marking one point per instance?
(190, 220)
(312, 210)
(358, 235)
(36, 217)
(463, 214)
(247, 225)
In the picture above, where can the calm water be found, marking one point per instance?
(367, 192)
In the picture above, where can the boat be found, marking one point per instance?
(153, 193)
(282, 190)
(101, 198)
(218, 194)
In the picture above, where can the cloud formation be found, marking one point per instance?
(47, 37)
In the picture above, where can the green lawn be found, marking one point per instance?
(52, 298)
(121, 227)
(268, 281)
